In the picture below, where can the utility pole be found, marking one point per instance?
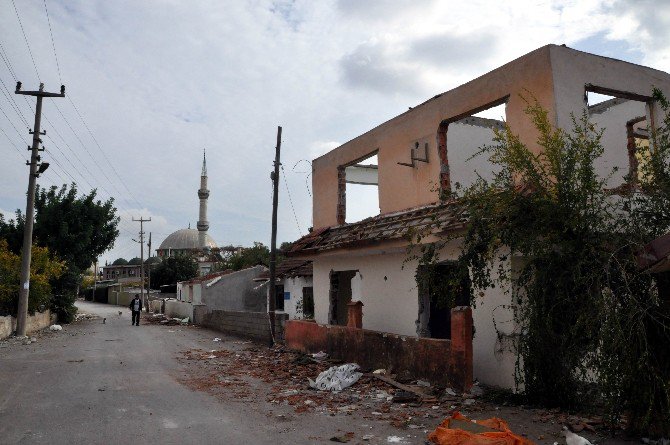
(142, 221)
(36, 168)
(149, 268)
(273, 243)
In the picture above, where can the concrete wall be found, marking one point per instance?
(446, 362)
(464, 139)
(178, 309)
(36, 322)
(254, 325)
(237, 292)
(294, 287)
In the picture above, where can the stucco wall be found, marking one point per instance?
(294, 287)
(237, 292)
(463, 141)
(387, 287)
(39, 320)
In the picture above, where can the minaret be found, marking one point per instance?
(203, 194)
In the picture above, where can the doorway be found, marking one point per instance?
(340, 296)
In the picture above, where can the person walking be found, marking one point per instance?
(136, 307)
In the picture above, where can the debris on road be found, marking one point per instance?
(217, 339)
(55, 327)
(458, 429)
(337, 378)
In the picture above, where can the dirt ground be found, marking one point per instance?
(275, 382)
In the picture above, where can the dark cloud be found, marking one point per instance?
(444, 50)
(371, 67)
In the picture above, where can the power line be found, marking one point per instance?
(26, 39)
(5, 58)
(13, 144)
(291, 200)
(53, 44)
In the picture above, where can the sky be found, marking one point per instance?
(150, 84)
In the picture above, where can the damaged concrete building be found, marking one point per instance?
(425, 151)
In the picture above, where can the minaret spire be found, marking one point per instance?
(203, 195)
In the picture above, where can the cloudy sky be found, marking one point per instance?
(152, 83)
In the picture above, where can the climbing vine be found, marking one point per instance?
(593, 329)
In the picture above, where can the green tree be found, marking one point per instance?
(592, 327)
(43, 269)
(258, 254)
(173, 269)
(77, 229)
(120, 262)
(134, 261)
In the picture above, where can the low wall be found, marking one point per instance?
(445, 362)
(33, 323)
(254, 325)
(178, 309)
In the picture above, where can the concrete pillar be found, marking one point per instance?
(461, 346)
(355, 314)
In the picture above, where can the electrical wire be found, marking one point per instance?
(53, 44)
(39, 78)
(290, 200)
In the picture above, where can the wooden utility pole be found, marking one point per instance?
(35, 169)
(142, 221)
(273, 241)
(149, 268)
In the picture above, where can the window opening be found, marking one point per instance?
(359, 190)
(624, 119)
(461, 138)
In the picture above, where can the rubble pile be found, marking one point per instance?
(231, 374)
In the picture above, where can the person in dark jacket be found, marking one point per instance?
(136, 307)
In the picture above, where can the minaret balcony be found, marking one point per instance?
(203, 194)
(203, 226)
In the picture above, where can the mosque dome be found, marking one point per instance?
(185, 239)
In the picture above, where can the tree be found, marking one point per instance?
(43, 269)
(77, 229)
(173, 269)
(592, 327)
(135, 261)
(259, 254)
(120, 262)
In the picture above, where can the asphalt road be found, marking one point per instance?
(114, 383)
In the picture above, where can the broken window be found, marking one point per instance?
(358, 190)
(461, 138)
(624, 119)
(308, 302)
(340, 296)
(441, 287)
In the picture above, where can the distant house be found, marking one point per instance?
(122, 273)
(295, 289)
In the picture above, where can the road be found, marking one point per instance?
(114, 383)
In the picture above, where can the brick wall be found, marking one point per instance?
(253, 325)
(446, 362)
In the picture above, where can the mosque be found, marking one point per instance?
(194, 242)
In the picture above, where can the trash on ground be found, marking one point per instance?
(185, 320)
(380, 371)
(55, 327)
(395, 439)
(319, 355)
(336, 378)
(401, 396)
(450, 392)
(217, 339)
(424, 383)
(574, 439)
(459, 430)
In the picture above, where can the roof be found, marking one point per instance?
(290, 267)
(207, 277)
(377, 229)
(185, 239)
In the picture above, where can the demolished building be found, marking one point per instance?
(426, 153)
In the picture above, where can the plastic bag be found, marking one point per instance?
(336, 378)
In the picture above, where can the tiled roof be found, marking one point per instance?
(207, 277)
(428, 219)
(290, 267)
